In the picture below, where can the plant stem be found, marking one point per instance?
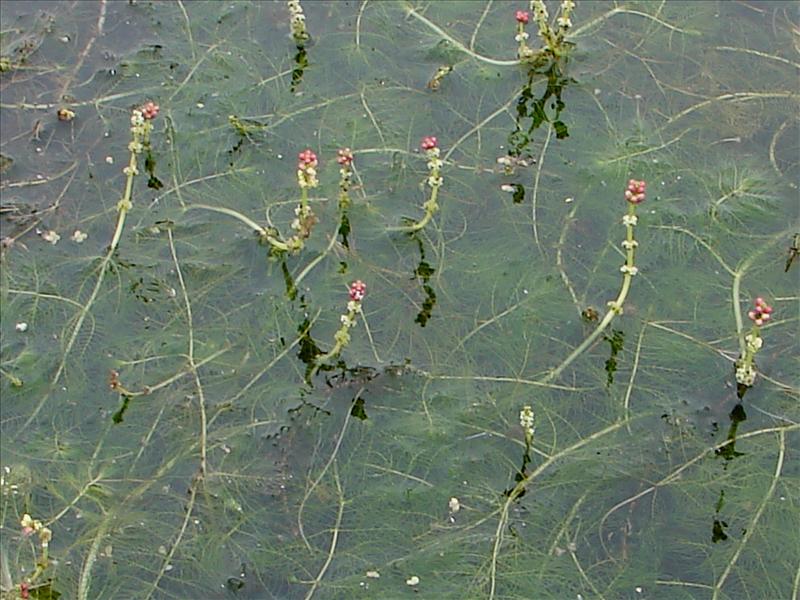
(262, 232)
(430, 208)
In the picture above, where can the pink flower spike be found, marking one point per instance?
(358, 289)
(761, 313)
(150, 110)
(429, 142)
(345, 157)
(307, 158)
(522, 16)
(635, 193)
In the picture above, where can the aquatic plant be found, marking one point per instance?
(635, 194)
(304, 220)
(745, 369)
(345, 160)
(31, 587)
(300, 35)
(430, 146)
(141, 127)
(304, 217)
(554, 44)
(356, 291)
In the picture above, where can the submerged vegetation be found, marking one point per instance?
(191, 410)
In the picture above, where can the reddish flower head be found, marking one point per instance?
(429, 142)
(307, 159)
(345, 157)
(358, 289)
(522, 16)
(150, 110)
(761, 313)
(635, 192)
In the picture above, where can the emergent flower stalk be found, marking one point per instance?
(745, 366)
(430, 146)
(141, 127)
(357, 291)
(635, 195)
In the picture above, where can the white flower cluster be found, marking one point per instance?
(303, 213)
(540, 14)
(435, 162)
(297, 21)
(454, 505)
(541, 18)
(435, 181)
(754, 343)
(526, 420)
(307, 177)
(629, 244)
(629, 220)
(745, 374)
(629, 270)
(563, 21)
(522, 36)
(51, 236)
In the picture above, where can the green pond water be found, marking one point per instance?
(166, 413)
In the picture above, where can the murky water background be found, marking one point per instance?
(226, 473)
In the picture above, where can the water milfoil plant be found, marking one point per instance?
(430, 146)
(31, 586)
(527, 422)
(554, 44)
(745, 366)
(304, 217)
(141, 128)
(300, 35)
(357, 291)
(304, 220)
(345, 160)
(635, 194)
